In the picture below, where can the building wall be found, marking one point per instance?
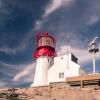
(41, 71)
(63, 67)
(59, 66)
(73, 69)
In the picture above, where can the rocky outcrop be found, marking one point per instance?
(58, 91)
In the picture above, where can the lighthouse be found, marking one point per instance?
(51, 68)
(44, 56)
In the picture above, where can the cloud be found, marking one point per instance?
(39, 23)
(92, 19)
(26, 75)
(16, 75)
(69, 15)
(13, 66)
(12, 51)
(21, 47)
(55, 5)
(6, 8)
(51, 7)
(8, 50)
(3, 84)
(72, 20)
(82, 54)
(15, 24)
(9, 70)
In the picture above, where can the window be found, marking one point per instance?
(61, 75)
(61, 57)
(73, 58)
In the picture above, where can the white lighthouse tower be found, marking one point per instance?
(51, 68)
(44, 55)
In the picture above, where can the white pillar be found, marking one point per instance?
(41, 72)
(94, 71)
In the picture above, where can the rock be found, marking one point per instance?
(57, 91)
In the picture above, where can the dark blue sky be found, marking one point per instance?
(75, 21)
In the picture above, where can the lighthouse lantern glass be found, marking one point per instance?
(46, 41)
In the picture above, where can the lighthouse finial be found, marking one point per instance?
(46, 33)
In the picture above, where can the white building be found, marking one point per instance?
(64, 66)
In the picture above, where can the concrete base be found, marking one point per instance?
(38, 85)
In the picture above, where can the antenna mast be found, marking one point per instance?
(94, 49)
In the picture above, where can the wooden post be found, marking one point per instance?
(82, 83)
(99, 83)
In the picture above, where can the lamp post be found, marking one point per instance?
(94, 49)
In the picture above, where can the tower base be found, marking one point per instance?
(37, 85)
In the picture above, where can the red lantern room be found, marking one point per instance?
(45, 45)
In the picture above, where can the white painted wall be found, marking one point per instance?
(63, 64)
(73, 69)
(59, 66)
(41, 72)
